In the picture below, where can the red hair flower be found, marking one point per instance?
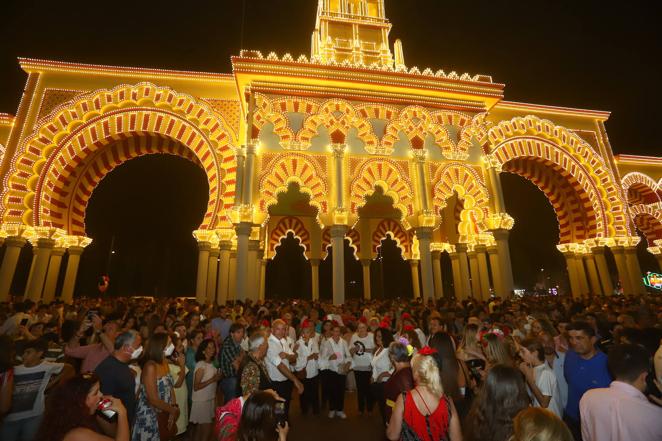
(384, 325)
(406, 316)
(265, 323)
(427, 350)
(306, 324)
(408, 328)
(363, 320)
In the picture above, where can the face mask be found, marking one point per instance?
(169, 350)
(136, 352)
(527, 327)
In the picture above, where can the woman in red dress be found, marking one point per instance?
(424, 413)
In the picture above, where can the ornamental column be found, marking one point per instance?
(212, 274)
(75, 246)
(338, 263)
(232, 277)
(203, 267)
(253, 270)
(413, 263)
(42, 244)
(501, 239)
(365, 266)
(621, 265)
(224, 248)
(424, 235)
(457, 275)
(461, 249)
(436, 272)
(581, 273)
(315, 278)
(263, 276)
(592, 271)
(482, 270)
(240, 156)
(603, 269)
(475, 274)
(634, 270)
(249, 173)
(243, 235)
(12, 251)
(575, 286)
(495, 265)
(53, 272)
(421, 187)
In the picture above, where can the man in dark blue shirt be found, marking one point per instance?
(585, 368)
(115, 376)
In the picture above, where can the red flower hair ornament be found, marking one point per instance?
(408, 328)
(427, 350)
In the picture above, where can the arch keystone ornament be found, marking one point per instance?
(57, 167)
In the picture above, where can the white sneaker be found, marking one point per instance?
(332, 414)
(340, 414)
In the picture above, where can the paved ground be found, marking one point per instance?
(323, 428)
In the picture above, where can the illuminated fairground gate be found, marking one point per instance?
(338, 129)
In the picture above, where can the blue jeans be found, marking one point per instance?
(20, 430)
(229, 386)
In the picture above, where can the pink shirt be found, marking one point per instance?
(619, 412)
(92, 355)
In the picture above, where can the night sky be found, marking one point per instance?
(589, 54)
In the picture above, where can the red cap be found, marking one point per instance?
(363, 320)
(306, 324)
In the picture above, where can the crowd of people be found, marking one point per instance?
(521, 369)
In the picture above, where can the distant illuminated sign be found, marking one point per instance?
(653, 280)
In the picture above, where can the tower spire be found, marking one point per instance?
(352, 30)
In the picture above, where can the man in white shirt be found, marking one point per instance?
(540, 379)
(621, 411)
(280, 357)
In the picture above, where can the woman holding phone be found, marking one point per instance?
(205, 380)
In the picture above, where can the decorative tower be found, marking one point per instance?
(351, 30)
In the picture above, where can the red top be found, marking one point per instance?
(438, 420)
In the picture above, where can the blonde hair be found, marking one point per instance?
(426, 373)
(538, 424)
(497, 350)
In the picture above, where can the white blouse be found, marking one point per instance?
(330, 347)
(380, 364)
(366, 344)
(304, 350)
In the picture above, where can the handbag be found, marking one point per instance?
(166, 433)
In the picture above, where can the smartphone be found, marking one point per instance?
(91, 313)
(24, 322)
(279, 413)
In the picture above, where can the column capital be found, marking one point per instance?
(58, 251)
(42, 243)
(492, 163)
(480, 248)
(225, 245)
(598, 250)
(75, 250)
(436, 255)
(424, 233)
(413, 262)
(315, 262)
(338, 231)
(338, 150)
(204, 246)
(251, 148)
(240, 151)
(419, 155)
(243, 228)
(492, 249)
(366, 262)
(15, 241)
(460, 248)
(253, 245)
(214, 252)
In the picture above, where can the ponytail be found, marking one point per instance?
(427, 373)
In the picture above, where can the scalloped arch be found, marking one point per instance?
(397, 233)
(640, 188)
(387, 175)
(648, 219)
(352, 236)
(287, 225)
(38, 187)
(288, 168)
(573, 159)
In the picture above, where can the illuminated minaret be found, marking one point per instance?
(354, 30)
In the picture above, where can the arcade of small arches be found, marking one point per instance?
(438, 169)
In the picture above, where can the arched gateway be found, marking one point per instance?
(376, 149)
